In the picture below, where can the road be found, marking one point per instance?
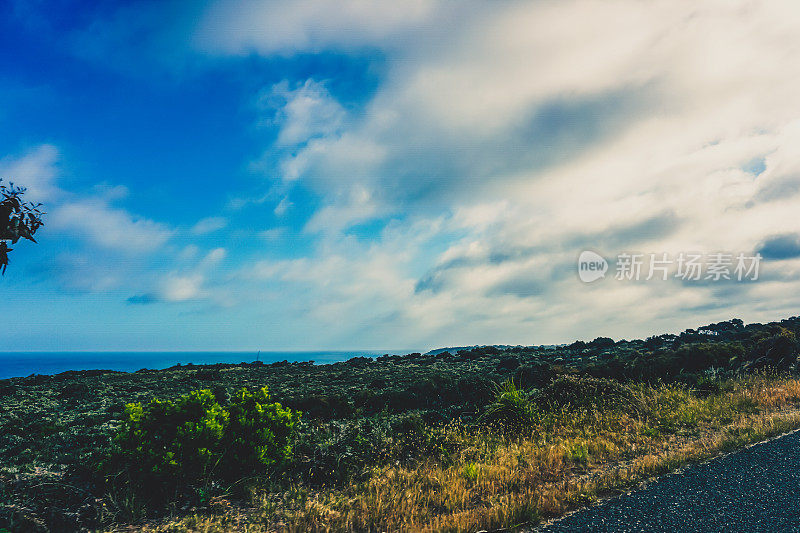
(756, 489)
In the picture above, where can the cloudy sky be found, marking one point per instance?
(400, 176)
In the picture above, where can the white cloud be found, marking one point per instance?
(506, 96)
(243, 26)
(272, 234)
(111, 193)
(359, 207)
(540, 129)
(182, 288)
(209, 225)
(36, 170)
(92, 218)
(189, 252)
(282, 207)
(89, 244)
(303, 113)
(215, 256)
(107, 227)
(191, 283)
(500, 141)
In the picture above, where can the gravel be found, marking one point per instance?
(756, 489)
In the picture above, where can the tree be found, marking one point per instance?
(18, 219)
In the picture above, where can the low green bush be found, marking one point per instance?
(511, 410)
(533, 374)
(336, 452)
(471, 472)
(167, 447)
(587, 393)
(257, 434)
(325, 406)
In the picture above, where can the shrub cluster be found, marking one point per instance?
(511, 410)
(584, 392)
(357, 415)
(165, 447)
(515, 408)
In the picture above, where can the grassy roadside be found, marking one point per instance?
(566, 456)
(417, 441)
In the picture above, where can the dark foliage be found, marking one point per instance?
(583, 392)
(18, 219)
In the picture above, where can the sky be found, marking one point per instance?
(345, 174)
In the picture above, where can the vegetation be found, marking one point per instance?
(18, 219)
(165, 450)
(487, 437)
(511, 411)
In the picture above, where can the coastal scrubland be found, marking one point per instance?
(483, 438)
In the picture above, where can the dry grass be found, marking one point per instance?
(565, 460)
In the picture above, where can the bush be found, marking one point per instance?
(74, 392)
(165, 447)
(511, 409)
(325, 406)
(779, 347)
(164, 441)
(208, 374)
(587, 393)
(345, 451)
(534, 374)
(338, 451)
(7, 389)
(697, 357)
(601, 342)
(474, 390)
(471, 472)
(257, 434)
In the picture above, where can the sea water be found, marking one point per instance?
(14, 364)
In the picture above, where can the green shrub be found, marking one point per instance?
(534, 374)
(341, 452)
(508, 363)
(474, 390)
(338, 451)
(471, 472)
(511, 409)
(781, 346)
(325, 406)
(588, 393)
(578, 453)
(164, 447)
(257, 433)
(164, 444)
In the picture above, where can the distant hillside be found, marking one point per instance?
(456, 349)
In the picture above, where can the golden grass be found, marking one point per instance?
(566, 460)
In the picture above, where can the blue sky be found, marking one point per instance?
(357, 175)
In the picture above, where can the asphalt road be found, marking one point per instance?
(756, 489)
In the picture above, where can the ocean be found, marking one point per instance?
(16, 364)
